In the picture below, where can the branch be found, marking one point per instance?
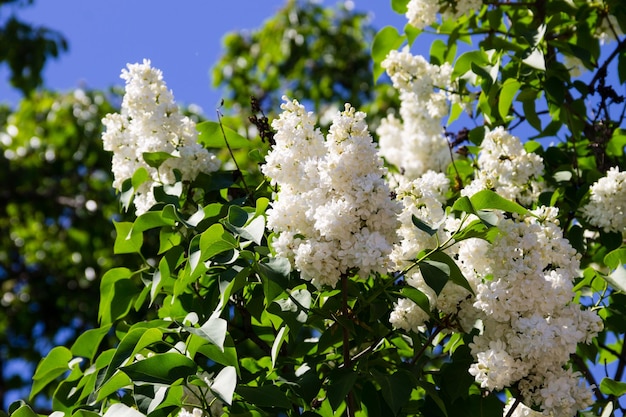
(584, 369)
(425, 345)
(621, 46)
(347, 361)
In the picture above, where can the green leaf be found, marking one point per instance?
(226, 356)
(245, 225)
(152, 220)
(385, 40)
(278, 342)
(134, 341)
(464, 62)
(341, 382)
(140, 176)
(436, 274)
(24, 411)
(438, 52)
(215, 240)
(489, 200)
(411, 33)
(224, 384)
(617, 278)
(476, 229)
(116, 295)
(50, 368)
(213, 330)
(125, 240)
(464, 204)
(87, 344)
(399, 6)
(455, 273)
(163, 368)
(416, 296)
(615, 258)
(264, 396)
(210, 135)
(85, 413)
(609, 386)
(535, 59)
(396, 388)
(507, 94)
(423, 226)
(118, 381)
(274, 275)
(621, 67)
(155, 159)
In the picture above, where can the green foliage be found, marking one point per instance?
(307, 51)
(27, 48)
(55, 229)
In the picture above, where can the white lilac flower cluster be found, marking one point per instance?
(424, 198)
(333, 212)
(416, 144)
(150, 121)
(423, 13)
(606, 208)
(505, 167)
(530, 323)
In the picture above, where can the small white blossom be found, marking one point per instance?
(506, 167)
(150, 121)
(423, 13)
(416, 144)
(606, 208)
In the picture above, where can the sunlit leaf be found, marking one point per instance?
(264, 396)
(224, 384)
(156, 159)
(210, 135)
(213, 330)
(50, 368)
(385, 40)
(116, 295)
(609, 386)
(122, 410)
(162, 368)
(509, 88)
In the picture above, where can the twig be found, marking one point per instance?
(425, 345)
(232, 155)
(582, 367)
(347, 361)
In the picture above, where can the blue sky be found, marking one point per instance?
(184, 41)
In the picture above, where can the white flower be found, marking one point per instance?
(530, 322)
(520, 410)
(407, 315)
(506, 167)
(149, 122)
(333, 212)
(417, 143)
(606, 208)
(495, 368)
(423, 13)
